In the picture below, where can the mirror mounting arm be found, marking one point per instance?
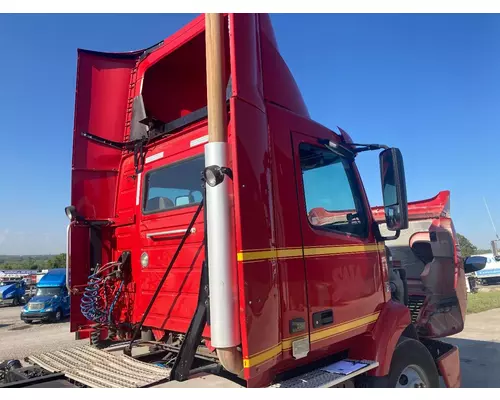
(381, 238)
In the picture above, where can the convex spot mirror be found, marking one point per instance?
(474, 263)
(394, 189)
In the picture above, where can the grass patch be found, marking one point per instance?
(477, 302)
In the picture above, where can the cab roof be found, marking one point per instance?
(53, 278)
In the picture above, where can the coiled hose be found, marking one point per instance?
(92, 305)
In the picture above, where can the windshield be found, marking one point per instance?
(48, 291)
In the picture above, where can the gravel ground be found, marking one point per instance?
(19, 340)
(479, 343)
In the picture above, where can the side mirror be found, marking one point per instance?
(394, 189)
(474, 263)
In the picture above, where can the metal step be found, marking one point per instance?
(101, 369)
(319, 378)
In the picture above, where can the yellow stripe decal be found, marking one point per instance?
(321, 251)
(286, 344)
(344, 327)
(254, 255)
(262, 357)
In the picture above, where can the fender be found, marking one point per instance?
(379, 344)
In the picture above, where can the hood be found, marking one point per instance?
(5, 290)
(41, 299)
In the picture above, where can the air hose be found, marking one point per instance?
(94, 303)
(89, 305)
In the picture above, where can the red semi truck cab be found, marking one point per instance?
(312, 272)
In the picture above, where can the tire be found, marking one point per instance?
(15, 302)
(408, 353)
(412, 366)
(58, 315)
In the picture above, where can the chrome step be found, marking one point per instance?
(319, 378)
(100, 369)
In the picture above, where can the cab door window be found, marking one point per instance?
(173, 186)
(331, 192)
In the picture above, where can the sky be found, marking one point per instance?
(426, 83)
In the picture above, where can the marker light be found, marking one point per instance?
(144, 259)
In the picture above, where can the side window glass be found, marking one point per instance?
(173, 186)
(332, 197)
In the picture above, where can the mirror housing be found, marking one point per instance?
(474, 263)
(394, 189)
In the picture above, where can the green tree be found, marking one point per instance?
(467, 248)
(58, 261)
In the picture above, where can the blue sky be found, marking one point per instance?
(427, 84)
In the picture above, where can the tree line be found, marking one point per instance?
(35, 263)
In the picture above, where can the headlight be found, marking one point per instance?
(48, 309)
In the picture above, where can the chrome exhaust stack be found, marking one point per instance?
(224, 313)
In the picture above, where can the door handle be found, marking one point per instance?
(174, 232)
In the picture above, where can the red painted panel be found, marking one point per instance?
(78, 260)
(293, 291)
(102, 92)
(176, 303)
(449, 367)
(279, 84)
(438, 206)
(246, 64)
(349, 284)
(254, 215)
(379, 344)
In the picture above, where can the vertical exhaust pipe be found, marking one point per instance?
(224, 315)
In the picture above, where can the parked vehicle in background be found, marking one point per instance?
(12, 292)
(490, 275)
(51, 300)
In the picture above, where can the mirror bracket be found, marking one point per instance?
(381, 238)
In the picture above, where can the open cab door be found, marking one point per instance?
(104, 88)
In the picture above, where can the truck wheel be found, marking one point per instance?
(412, 366)
(58, 315)
(15, 302)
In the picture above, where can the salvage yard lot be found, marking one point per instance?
(479, 343)
(19, 340)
